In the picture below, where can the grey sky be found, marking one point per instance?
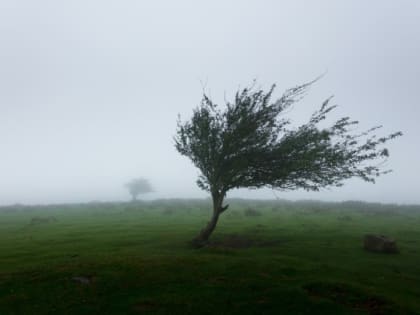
(90, 90)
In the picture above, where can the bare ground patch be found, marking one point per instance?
(146, 306)
(242, 241)
(351, 297)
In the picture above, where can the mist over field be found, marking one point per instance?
(138, 139)
(90, 90)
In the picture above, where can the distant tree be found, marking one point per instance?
(138, 186)
(248, 145)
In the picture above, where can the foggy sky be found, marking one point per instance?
(90, 90)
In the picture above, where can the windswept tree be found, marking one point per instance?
(249, 144)
(138, 186)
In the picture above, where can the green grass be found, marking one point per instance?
(138, 260)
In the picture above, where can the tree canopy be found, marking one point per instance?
(249, 144)
(138, 186)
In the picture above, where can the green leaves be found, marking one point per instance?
(247, 144)
(138, 186)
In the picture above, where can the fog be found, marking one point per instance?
(90, 90)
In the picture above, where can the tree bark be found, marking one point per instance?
(203, 237)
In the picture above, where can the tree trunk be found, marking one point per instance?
(203, 237)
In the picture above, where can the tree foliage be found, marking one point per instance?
(250, 144)
(138, 186)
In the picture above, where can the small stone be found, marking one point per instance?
(82, 280)
(379, 244)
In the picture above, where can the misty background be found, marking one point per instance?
(90, 90)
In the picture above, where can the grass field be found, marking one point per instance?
(267, 257)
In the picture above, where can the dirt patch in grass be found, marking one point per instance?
(242, 241)
(146, 306)
(217, 280)
(351, 297)
(85, 280)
